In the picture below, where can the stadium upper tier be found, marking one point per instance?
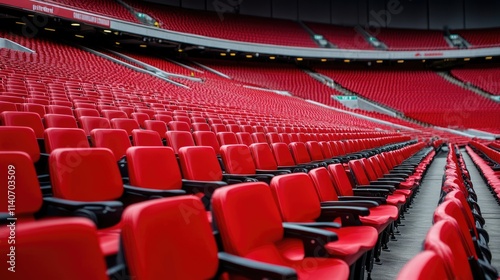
(269, 31)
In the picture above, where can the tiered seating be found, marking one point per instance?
(88, 179)
(436, 101)
(285, 77)
(457, 238)
(109, 8)
(150, 170)
(487, 161)
(481, 38)
(484, 77)
(161, 64)
(227, 26)
(342, 37)
(408, 39)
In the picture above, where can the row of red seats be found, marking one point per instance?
(94, 91)
(487, 161)
(484, 78)
(227, 26)
(283, 77)
(481, 38)
(404, 182)
(340, 36)
(109, 8)
(196, 22)
(495, 145)
(26, 74)
(25, 139)
(456, 246)
(95, 171)
(159, 121)
(408, 39)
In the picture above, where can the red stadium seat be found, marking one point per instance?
(62, 121)
(262, 230)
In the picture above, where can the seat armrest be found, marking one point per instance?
(358, 203)
(308, 166)
(103, 213)
(259, 177)
(381, 186)
(320, 225)
(314, 240)
(151, 193)
(253, 269)
(4, 218)
(205, 187)
(479, 218)
(236, 179)
(379, 200)
(273, 172)
(370, 192)
(384, 183)
(349, 214)
(395, 177)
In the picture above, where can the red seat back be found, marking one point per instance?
(200, 126)
(56, 138)
(146, 138)
(247, 230)
(39, 244)
(20, 179)
(179, 139)
(444, 240)
(206, 138)
(314, 150)
(425, 265)
(64, 121)
(154, 168)
(111, 114)
(259, 137)
(169, 253)
(227, 138)
(115, 140)
(299, 152)
(28, 119)
(359, 172)
(90, 123)
(263, 156)
(179, 126)
(126, 124)
(323, 184)
(282, 154)
(85, 174)
(140, 118)
(237, 159)
(158, 126)
(244, 138)
(18, 138)
(193, 168)
(340, 179)
(296, 197)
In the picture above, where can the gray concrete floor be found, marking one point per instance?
(416, 224)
